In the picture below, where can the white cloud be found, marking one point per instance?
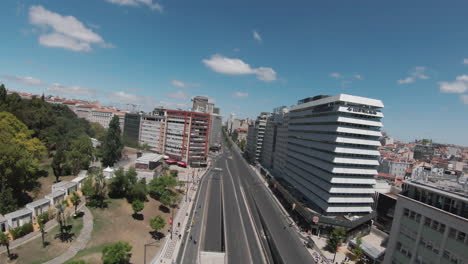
(257, 36)
(183, 84)
(464, 98)
(417, 73)
(406, 80)
(240, 95)
(465, 61)
(123, 96)
(180, 95)
(24, 80)
(149, 3)
(336, 75)
(460, 85)
(224, 65)
(70, 90)
(358, 77)
(66, 31)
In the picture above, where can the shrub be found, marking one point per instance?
(117, 253)
(45, 216)
(21, 231)
(174, 173)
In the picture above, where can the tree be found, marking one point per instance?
(112, 146)
(119, 185)
(5, 241)
(157, 223)
(336, 238)
(79, 154)
(161, 184)
(41, 221)
(3, 93)
(243, 144)
(75, 199)
(97, 131)
(117, 253)
(59, 163)
(357, 251)
(60, 217)
(20, 153)
(137, 206)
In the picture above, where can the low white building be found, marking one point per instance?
(82, 175)
(56, 197)
(108, 173)
(38, 207)
(19, 218)
(66, 186)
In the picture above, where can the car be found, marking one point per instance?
(182, 164)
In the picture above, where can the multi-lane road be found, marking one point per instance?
(235, 213)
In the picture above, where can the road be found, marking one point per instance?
(254, 229)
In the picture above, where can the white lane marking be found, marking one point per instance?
(202, 219)
(240, 213)
(226, 260)
(254, 225)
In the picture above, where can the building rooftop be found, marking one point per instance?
(448, 188)
(146, 158)
(21, 212)
(55, 194)
(38, 203)
(2, 218)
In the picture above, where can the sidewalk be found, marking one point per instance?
(166, 254)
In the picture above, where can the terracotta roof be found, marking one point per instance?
(87, 106)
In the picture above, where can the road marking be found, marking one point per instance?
(254, 225)
(224, 221)
(240, 212)
(202, 219)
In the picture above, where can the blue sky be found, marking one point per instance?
(249, 56)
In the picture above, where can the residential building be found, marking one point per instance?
(396, 167)
(332, 154)
(424, 151)
(201, 104)
(269, 154)
(131, 131)
(386, 140)
(101, 116)
(18, 218)
(152, 129)
(430, 223)
(215, 129)
(84, 110)
(255, 136)
(56, 197)
(39, 206)
(187, 135)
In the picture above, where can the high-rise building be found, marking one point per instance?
(430, 224)
(215, 129)
(131, 131)
(269, 155)
(202, 104)
(255, 136)
(332, 154)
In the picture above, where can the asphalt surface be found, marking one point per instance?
(255, 228)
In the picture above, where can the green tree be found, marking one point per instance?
(117, 253)
(137, 207)
(60, 217)
(158, 186)
(20, 153)
(97, 131)
(75, 199)
(3, 93)
(357, 251)
(336, 238)
(41, 221)
(243, 144)
(76, 262)
(79, 154)
(119, 185)
(5, 241)
(112, 146)
(157, 223)
(59, 163)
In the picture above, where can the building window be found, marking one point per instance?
(452, 233)
(427, 221)
(461, 236)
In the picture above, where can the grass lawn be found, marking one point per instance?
(116, 223)
(33, 252)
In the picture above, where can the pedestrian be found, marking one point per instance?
(178, 224)
(190, 237)
(180, 236)
(195, 241)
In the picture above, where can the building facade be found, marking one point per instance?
(269, 154)
(152, 129)
(131, 131)
(430, 225)
(332, 155)
(255, 136)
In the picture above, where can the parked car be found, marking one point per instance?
(182, 164)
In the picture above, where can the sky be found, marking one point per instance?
(247, 56)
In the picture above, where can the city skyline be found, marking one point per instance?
(166, 53)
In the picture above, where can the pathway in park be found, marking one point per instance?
(80, 242)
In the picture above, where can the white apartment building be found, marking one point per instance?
(255, 136)
(152, 129)
(430, 224)
(104, 116)
(270, 149)
(332, 153)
